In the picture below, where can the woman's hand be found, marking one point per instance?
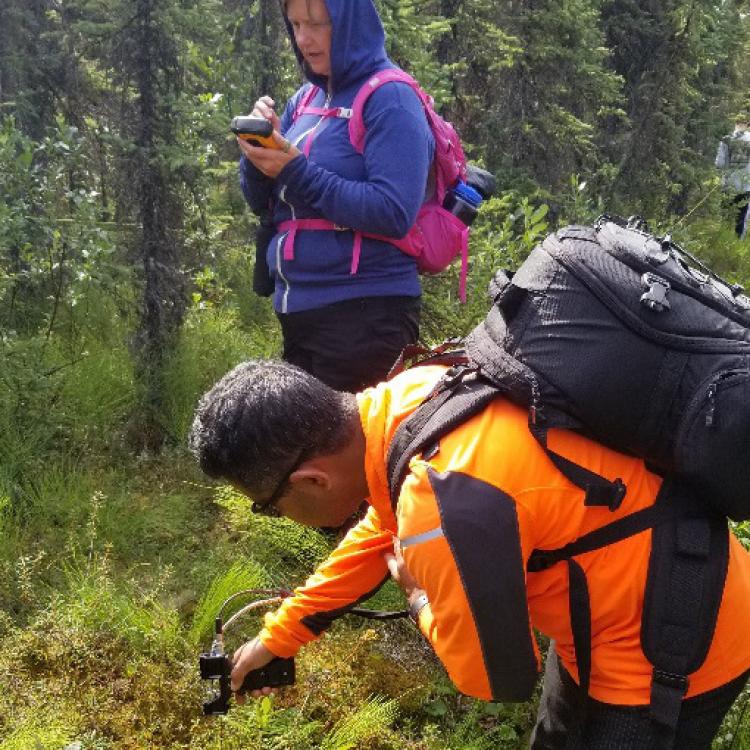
(400, 573)
(270, 161)
(264, 107)
(249, 656)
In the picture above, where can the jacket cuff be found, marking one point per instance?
(284, 638)
(291, 171)
(281, 647)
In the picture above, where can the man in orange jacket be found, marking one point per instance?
(470, 512)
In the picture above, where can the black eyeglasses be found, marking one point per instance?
(270, 506)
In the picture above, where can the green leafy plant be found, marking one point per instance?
(371, 719)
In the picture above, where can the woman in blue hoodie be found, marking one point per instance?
(345, 311)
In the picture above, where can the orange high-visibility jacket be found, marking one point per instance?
(468, 519)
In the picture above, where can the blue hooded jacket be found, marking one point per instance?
(379, 191)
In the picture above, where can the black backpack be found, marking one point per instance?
(625, 337)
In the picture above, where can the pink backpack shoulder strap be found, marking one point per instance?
(304, 101)
(357, 121)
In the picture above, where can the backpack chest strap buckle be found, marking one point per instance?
(606, 494)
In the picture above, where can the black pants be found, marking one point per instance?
(352, 344)
(741, 205)
(609, 727)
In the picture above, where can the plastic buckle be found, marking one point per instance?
(605, 494)
(673, 681)
(655, 296)
(540, 560)
(620, 488)
(455, 375)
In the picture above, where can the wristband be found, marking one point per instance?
(417, 606)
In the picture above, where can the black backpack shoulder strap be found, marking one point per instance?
(579, 603)
(450, 353)
(458, 396)
(684, 588)
(685, 585)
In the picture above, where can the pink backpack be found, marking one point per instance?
(437, 236)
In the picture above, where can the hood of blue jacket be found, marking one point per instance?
(357, 44)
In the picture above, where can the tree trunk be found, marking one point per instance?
(163, 289)
(269, 30)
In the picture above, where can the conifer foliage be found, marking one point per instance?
(627, 97)
(125, 290)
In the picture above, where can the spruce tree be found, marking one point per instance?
(674, 58)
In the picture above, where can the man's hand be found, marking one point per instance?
(400, 573)
(249, 656)
(270, 161)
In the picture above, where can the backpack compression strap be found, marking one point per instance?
(599, 490)
(578, 592)
(686, 576)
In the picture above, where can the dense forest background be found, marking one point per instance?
(125, 291)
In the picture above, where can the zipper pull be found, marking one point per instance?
(711, 405)
(535, 410)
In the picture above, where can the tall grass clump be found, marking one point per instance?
(42, 516)
(98, 390)
(288, 550)
(212, 341)
(66, 395)
(245, 574)
(29, 395)
(123, 612)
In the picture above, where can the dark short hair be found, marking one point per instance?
(261, 418)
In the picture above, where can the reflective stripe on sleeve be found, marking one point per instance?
(426, 536)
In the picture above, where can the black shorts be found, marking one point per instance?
(352, 344)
